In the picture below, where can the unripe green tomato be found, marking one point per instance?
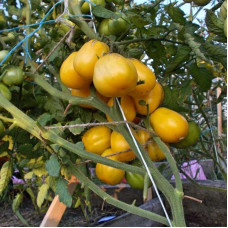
(5, 91)
(118, 26)
(192, 137)
(103, 27)
(135, 180)
(4, 53)
(2, 128)
(85, 6)
(13, 75)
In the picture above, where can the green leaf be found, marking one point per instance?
(102, 12)
(137, 19)
(42, 194)
(5, 175)
(217, 52)
(45, 118)
(215, 24)
(26, 150)
(64, 195)
(76, 130)
(55, 107)
(32, 195)
(35, 163)
(28, 175)
(41, 171)
(176, 14)
(51, 182)
(53, 166)
(202, 76)
(17, 201)
(182, 55)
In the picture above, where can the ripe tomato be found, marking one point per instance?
(13, 75)
(201, 2)
(107, 174)
(154, 98)
(127, 105)
(87, 57)
(119, 143)
(154, 151)
(135, 180)
(2, 128)
(85, 6)
(192, 137)
(86, 93)
(97, 139)
(114, 75)
(82, 93)
(3, 54)
(170, 126)
(69, 76)
(146, 75)
(5, 91)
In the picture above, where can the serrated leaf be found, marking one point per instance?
(76, 130)
(17, 201)
(137, 20)
(64, 195)
(44, 118)
(182, 55)
(202, 76)
(176, 14)
(102, 12)
(25, 149)
(5, 175)
(35, 163)
(172, 99)
(55, 107)
(217, 52)
(28, 175)
(42, 194)
(214, 24)
(53, 166)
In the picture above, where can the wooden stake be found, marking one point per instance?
(57, 209)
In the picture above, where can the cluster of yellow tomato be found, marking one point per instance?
(116, 76)
(101, 140)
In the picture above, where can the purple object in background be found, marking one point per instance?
(193, 169)
(17, 180)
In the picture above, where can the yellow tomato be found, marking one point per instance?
(107, 174)
(82, 93)
(114, 75)
(154, 152)
(146, 75)
(128, 107)
(86, 93)
(69, 76)
(87, 56)
(97, 139)
(153, 99)
(119, 143)
(170, 126)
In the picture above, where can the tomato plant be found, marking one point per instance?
(2, 128)
(201, 2)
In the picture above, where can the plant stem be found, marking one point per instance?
(117, 203)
